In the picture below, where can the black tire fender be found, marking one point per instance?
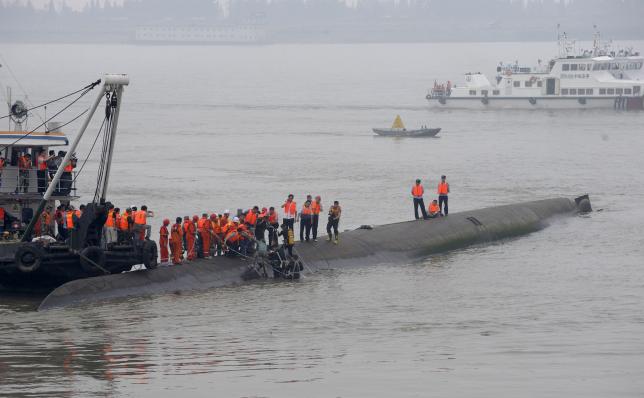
(533, 101)
(29, 258)
(485, 100)
(91, 255)
(582, 101)
(149, 254)
(442, 101)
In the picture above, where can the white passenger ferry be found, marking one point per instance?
(596, 78)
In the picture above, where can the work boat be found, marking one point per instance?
(398, 130)
(600, 78)
(33, 258)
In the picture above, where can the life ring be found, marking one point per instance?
(582, 101)
(28, 258)
(485, 100)
(442, 101)
(428, 96)
(533, 101)
(90, 256)
(149, 255)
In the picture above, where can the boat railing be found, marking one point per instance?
(12, 182)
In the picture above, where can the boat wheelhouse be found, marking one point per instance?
(597, 78)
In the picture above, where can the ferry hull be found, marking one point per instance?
(384, 244)
(535, 103)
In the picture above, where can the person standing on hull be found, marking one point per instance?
(3, 162)
(306, 220)
(290, 212)
(273, 226)
(164, 234)
(316, 207)
(261, 225)
(443, 191)
(190, 230)
(205, 229)
(109, 229)
(417, 192)
(176, 241)
(335, 212)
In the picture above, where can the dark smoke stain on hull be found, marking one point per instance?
(382, 244)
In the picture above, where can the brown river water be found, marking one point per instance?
(555, 313)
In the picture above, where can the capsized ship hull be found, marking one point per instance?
(391, 243)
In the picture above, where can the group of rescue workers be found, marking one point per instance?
(437, 207)
(221, 234)
(46, 165)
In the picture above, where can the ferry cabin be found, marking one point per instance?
(20, 197)
(571, 82)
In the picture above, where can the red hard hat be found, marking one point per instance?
(195, 218)
(166, 222)
(213, 216)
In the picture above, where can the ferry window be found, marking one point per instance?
(589, 67)
(627, 91)
(539, 83)
(496, 92)
(564, 91)
(472, 92)
(589, 91)
(610, 91)
(582, 66)
(517, 84)
(619, 91)
(484, 93)
(596, 67)
(528, 83)
(614, 66)
(602, 91)
(573, 66)
(605, 66)
(565, 67)
(573, 91)
(636, 90)
(638, 65)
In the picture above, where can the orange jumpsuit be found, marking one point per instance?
(176, 243)
(189, 229)
(163, 243)
(204, 232)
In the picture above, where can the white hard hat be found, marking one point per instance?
(226, 211)
(235, 219)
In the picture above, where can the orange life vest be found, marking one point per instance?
(417, 191)
(251, 218)
(306, 211)
(214, 225)
(69, 167)
(203, 224)
(2, 164)
(315, 207)
(124, 224)
(272, 218)
(110, 219)
(141, 217)
(290, 208)
(23, 163)
(176, 233)
(443, 188)
(433, 208)
(42, 165)
(1, 214)
(70, 217)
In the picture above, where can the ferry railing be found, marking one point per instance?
(12, 182)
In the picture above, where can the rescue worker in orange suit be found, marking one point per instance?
(176, 241)
(141, 227)
(316, 207)
(109, 228)
(215, 235)
(245, 238)
(190, 230)
(71, 221)
(306, 219)
(125, 226)
(417, 192)
(3, 163)
(164, 235)
(231, 240)
(273, 225)
(66, 178)
(434, 209)
(443, 191)
(205, 229)
(290, 212)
